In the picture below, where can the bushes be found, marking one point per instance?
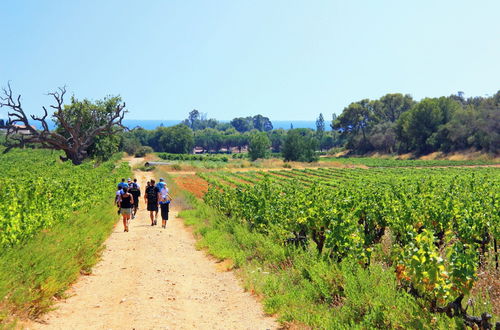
(240, 156)
(306, 290)
(143, 151)
(189, 157)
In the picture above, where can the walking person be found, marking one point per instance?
(161, 184)
(135, 190)
(126, 202)
(151, 199)
(118, 195)
(123, 184)
(164, 201)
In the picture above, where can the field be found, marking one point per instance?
(54, 217)
(393, 162)
(435, 230)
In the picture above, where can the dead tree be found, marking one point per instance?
(79, 134)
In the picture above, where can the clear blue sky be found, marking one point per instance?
(283, 59)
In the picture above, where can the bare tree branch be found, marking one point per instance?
(76, 139)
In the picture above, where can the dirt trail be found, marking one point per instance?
(150, 278)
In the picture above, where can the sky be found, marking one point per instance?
(288, 60)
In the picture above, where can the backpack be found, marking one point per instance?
(151, 193)
(134, 190)
(164, 198)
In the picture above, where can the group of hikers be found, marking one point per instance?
(156, 196)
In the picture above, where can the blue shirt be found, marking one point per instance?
(123, 185)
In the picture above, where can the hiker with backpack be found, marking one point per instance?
(164, 201)
(151, 198)
(123, 184)
(118, 195)
(135, 190)
(125, 202)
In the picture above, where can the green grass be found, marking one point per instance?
(302, 288)
(392, 162)
(45, 266)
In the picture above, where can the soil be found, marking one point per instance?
(192, 183)
(153, 278)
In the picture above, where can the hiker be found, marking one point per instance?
(135, 190)
(151, 199)
(119, 193)
(164, 201)
(161, 184)
(123, 184)
(126, 202)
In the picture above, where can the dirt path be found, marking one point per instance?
(150, 278)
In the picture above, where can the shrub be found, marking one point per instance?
(143, 151)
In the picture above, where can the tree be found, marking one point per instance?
(78, 124)
(2, 123)
(391, 106)
(300, 145)
(193, 117)
(259, 146)
(383, 137)
(242, 124)
(320, 127)
(177, 139)
(104, 147)
(327, 142)
(209, 139)
(262, 123)
(419, 128)
(129, 144)
(356, 118)
(276, 137)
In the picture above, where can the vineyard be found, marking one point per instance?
(442, 225)
(391, 162)
(39, 191)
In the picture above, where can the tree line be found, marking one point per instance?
(395, 123)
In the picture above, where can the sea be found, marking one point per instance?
(152, 124)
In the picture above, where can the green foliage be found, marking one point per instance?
(259, 146)
(395, 122)
(129, 143)
(51, 227)
(300, 145)
(33, 272)
(441, 220)
(143, 151)
(39, 191)
(303, 289)
(355, 121)
(419, 127)
(104, 147)
(276, 137)
(177, 139)
(246, 124)
(190, 157)
(84, 116)
(393, 162)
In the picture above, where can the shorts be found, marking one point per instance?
(126, 211)
(153, 207)
(136, 204)
(164, 211)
